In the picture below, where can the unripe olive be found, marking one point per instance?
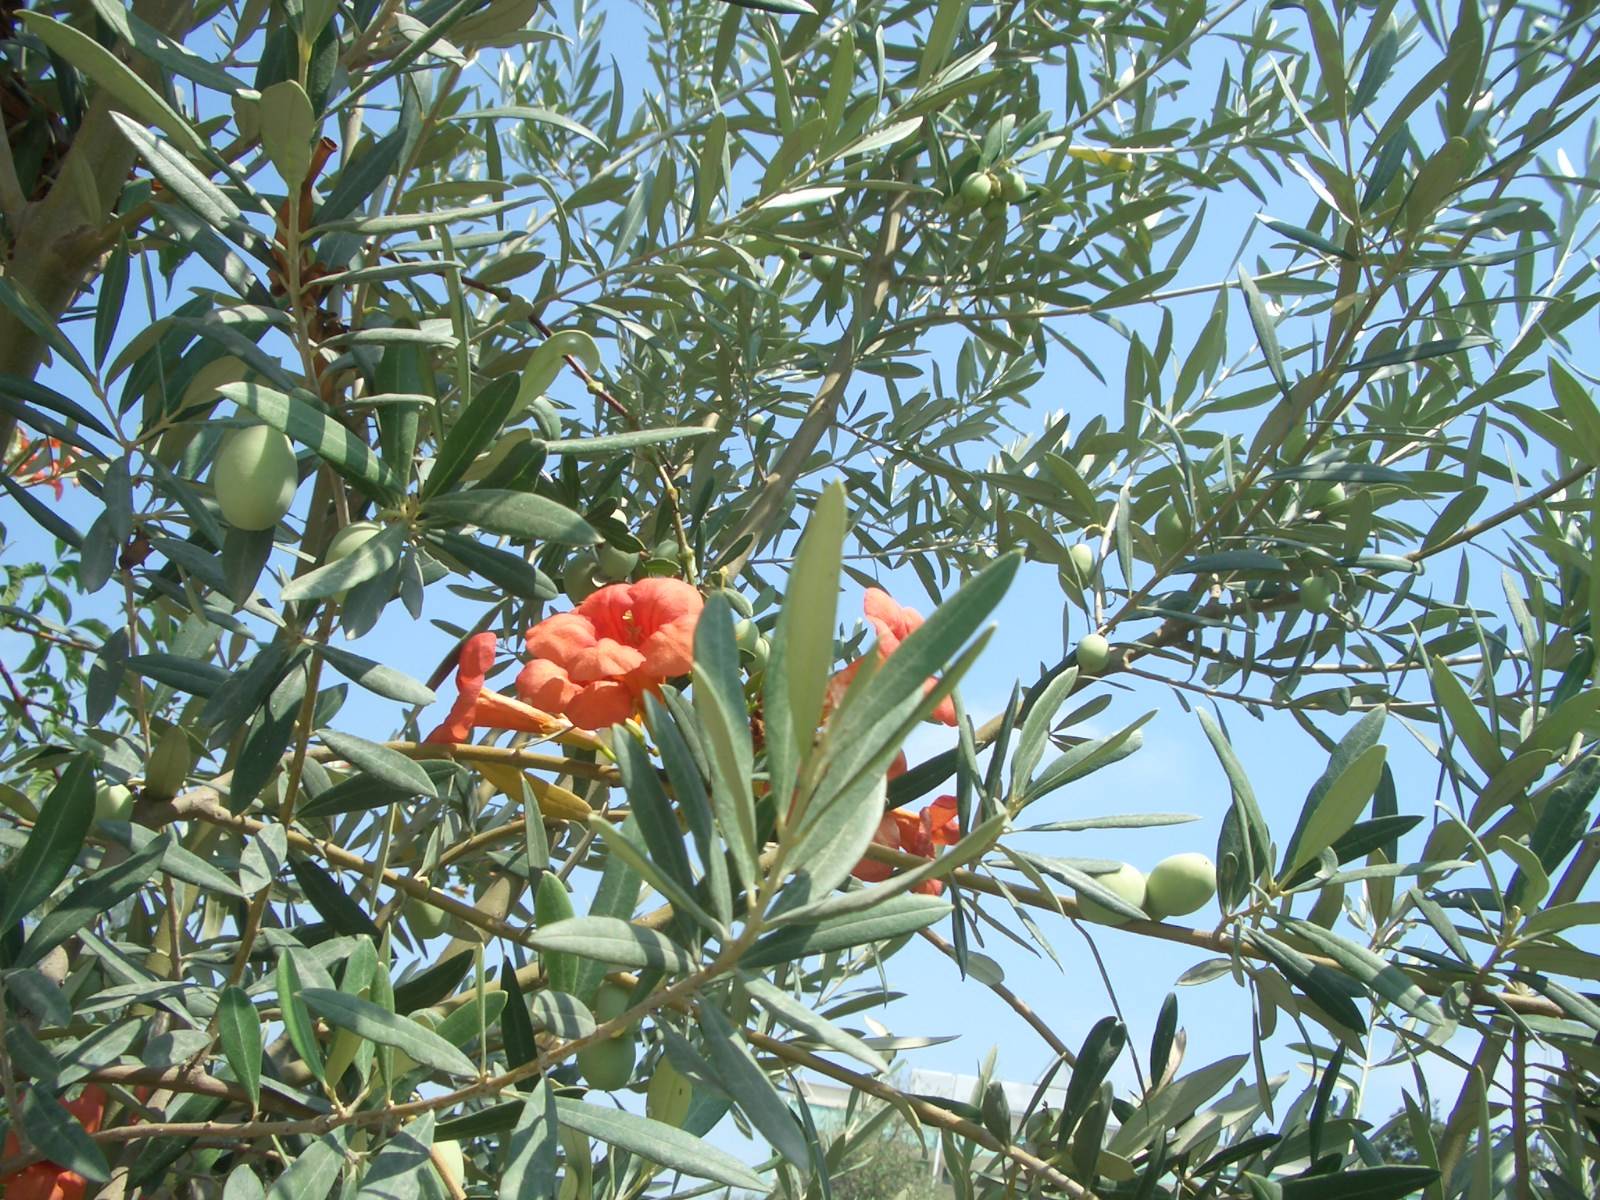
(995, 210)
(608, 1064)
(610, 1002)
(1093, 653)
(1126, 882)
(1315, 594)
(1081, 555)
(1172, 531)
(170, 764)
(452, 1163)
(1013, 186)
(255, 476)
(976, 190)
(823, 265)
(746, 635)
(1324, 494)
(763, 652)
(351, 538)
(737, 601)
(578, 577)
(201, 390)
(669, 1095)
(112, 802)
(426, 921)
(615, 562)
(403, 1063)
(1181, 884)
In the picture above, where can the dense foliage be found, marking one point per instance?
(1255, 339)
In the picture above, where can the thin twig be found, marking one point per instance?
(927, 1113)
(1018, 1005)
(1504, 515)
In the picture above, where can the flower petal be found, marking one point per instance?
(665, 612)
(496, 711)
(609, 610)
(477, 656)
(561, 638)
(601, 705)
(942, 820)
(457, 727)
(605, 660)
(892, 620)
(546, 686)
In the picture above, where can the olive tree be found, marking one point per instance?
(1256, 339)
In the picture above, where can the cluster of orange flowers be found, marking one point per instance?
(47, 1180)
(33, 461)
(592, 667)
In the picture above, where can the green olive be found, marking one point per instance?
(1181, 884)
(351, 538)
(746, 635)
(1172, 531)
(1081, 556)
(425, 920)
(608, 1064)
(1126, 882)
(452, 1163)
(995, 210)
(579, 576)
(112, 802)
(1013, 186)
(1315, 594)
(669, 1095)
(403, 1064)
(610, 1002)
(615, 563)
(1093, 653)
(255, 475)
(976, 190)
(823, 265)
(1323, 494)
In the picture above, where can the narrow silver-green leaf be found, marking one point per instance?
(612, 940)
(377, 1024)
(239, 1027)
(383, 764)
